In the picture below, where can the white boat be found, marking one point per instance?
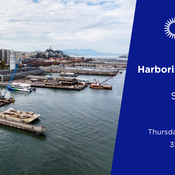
(20, 87)
(106, 86)
(119, 71)
(83, 80)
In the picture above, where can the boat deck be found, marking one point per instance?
(23, 126)
(19, 116)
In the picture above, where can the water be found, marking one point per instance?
(80, 137)
(106, 57)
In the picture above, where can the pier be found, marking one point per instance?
(103, 72)
(117, 64)
(72, 87)
(20, 73)
(23, 126)
(19, 116)
(55, 85)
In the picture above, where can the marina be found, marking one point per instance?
(62, 71)
(81, 129)
(45, 82)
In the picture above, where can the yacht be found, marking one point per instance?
(20, 87)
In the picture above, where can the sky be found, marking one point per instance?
(28, 25)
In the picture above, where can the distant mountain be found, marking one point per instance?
(87, 52)
(36, 51)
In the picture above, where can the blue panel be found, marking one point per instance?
(147, 102)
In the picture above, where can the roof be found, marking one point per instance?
(37, 77)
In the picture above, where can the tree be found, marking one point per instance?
(2, 64)
(38, 55)
(19, 66)
(55, 63)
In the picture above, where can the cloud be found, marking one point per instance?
(37, 24)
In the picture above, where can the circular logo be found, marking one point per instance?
(167, 30)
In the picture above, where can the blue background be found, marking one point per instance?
(146, 102)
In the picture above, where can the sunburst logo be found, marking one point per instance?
(167, 30)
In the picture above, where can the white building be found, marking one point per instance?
(17, 56)
(12, 61)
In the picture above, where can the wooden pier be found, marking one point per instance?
(56, 69)
(41, 85)
(77, 86)
(23, 126)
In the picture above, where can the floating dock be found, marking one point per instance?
(51, 82)
(23, 126)
(19, 119)
(72, 87)
(19, 116)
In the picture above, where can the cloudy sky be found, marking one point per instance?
(104, 26)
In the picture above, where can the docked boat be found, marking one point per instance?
(6, 100)
(19, 116)
(2, 104)
(20, 87)
(95, 85)
(68, 74)
(119, 71)
(106, 86)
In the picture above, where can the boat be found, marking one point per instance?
(119, 71)
(106, 86)
(68, 74)
(2, 104)
(20, 87)
(4, 100)
(19, 116)
(81, 80)
(95, 85)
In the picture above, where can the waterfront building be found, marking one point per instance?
(20, 73)
(12, 61)
(5, 55)
(17, 56)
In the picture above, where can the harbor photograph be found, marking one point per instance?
(62, 74)
(80, 130)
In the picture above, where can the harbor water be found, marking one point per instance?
(81, 131)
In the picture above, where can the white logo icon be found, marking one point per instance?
(167, 28)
